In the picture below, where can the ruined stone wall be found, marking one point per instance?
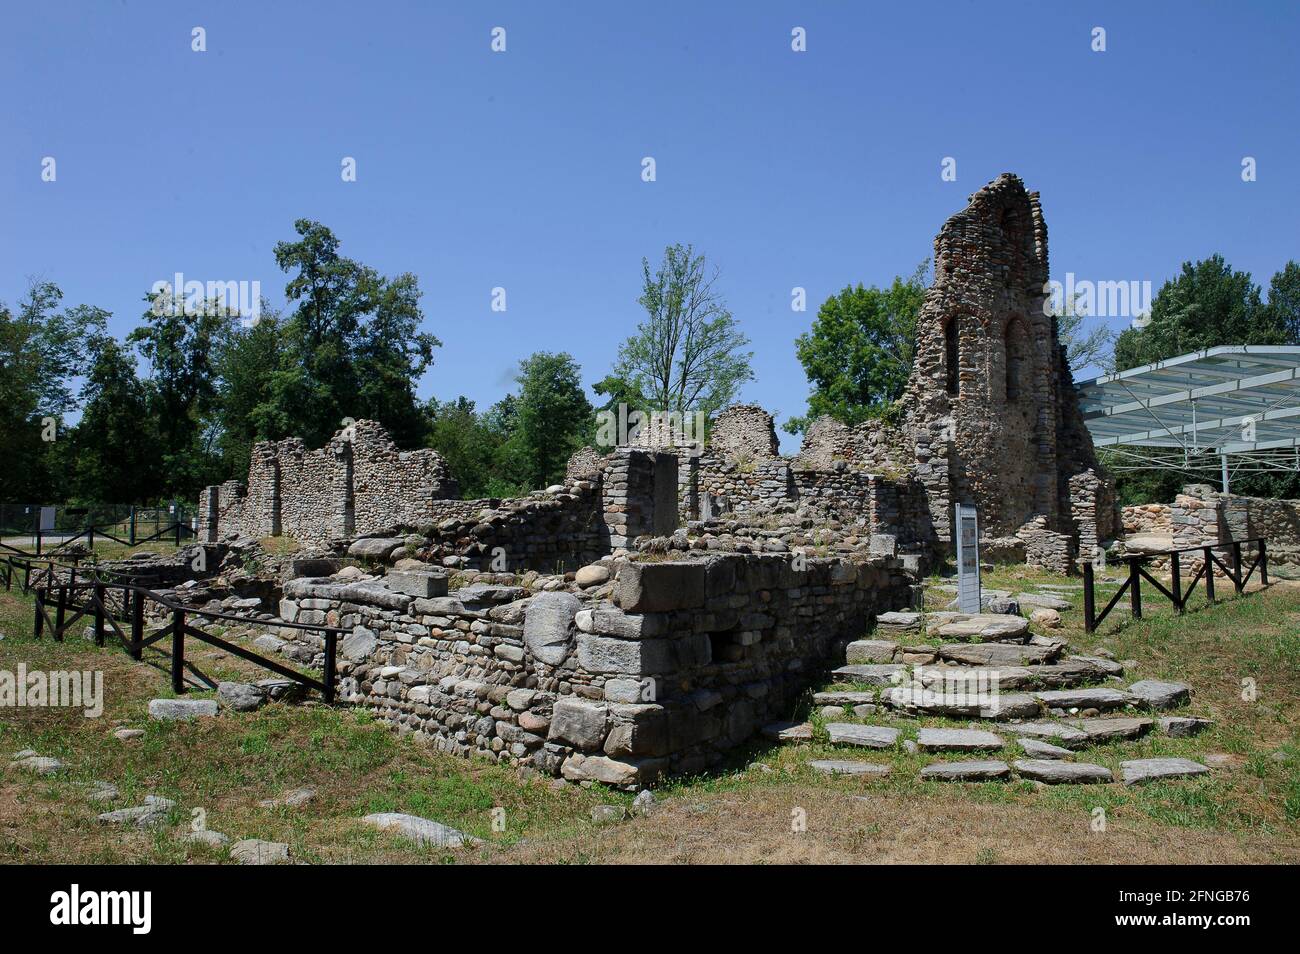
(687, 661)
(872, 446)
(544, 531)
(990, 372)
(1147, 520)
(744, 433)
(358, 483)
(1201, 515)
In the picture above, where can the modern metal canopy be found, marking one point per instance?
(1235, 409)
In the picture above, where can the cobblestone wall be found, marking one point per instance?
(685, 662)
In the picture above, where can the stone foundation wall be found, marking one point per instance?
(686, 661)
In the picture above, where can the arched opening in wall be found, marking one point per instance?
(1017, 358)
(951, 369)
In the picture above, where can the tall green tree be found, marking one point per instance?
(182, 340)
(548, 420)
(352, 344)
(43, 348)
(1284, 301)
(110, 455)
(858, 354)
(471, 443)
(247, 364)
(687, 356)
(1207, 304)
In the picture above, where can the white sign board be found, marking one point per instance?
(967, 534)
(47, 519)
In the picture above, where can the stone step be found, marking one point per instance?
(1044, 601)
(997, 654)
(1109, 730)
(1161, 695)
(788, 731)
(883, 674)
(1038, 749)
(980, 627)
(966, 772)
(1067, 673)
(870, 651)
(1143, 771)
(1102, 699)
(846, 767)
(957, 740)
(866, 736)
(911, 701)
(1056, 772)
(847, 697)
(1066, 735)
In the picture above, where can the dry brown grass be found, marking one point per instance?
(863, 824)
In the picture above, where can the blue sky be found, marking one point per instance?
(522, 169)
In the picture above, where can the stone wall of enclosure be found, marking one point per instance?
(1200, 515)
(358, 483)
(682, 661)
(629, 494)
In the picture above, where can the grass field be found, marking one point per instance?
(768, 807)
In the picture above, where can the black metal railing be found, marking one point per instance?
(120, 606)
(131, 536)
(1176, 593)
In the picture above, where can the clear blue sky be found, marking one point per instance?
(522, 169)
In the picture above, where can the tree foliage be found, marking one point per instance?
(1206, 305)
(687, 356)
(858, 354)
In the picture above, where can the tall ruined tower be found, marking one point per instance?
(990, 408)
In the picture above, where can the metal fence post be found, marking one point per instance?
(1263, 562)
(1236, 565)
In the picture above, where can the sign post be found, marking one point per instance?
(968, 559)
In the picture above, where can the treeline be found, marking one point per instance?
(178, 403)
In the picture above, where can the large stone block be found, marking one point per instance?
(422, 584)
(579, 723)
(601, 768)
(660, 587)
(637, 730)
(627, 657)
(548, 626)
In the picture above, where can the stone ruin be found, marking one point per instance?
(659, 605)
(989, 417)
